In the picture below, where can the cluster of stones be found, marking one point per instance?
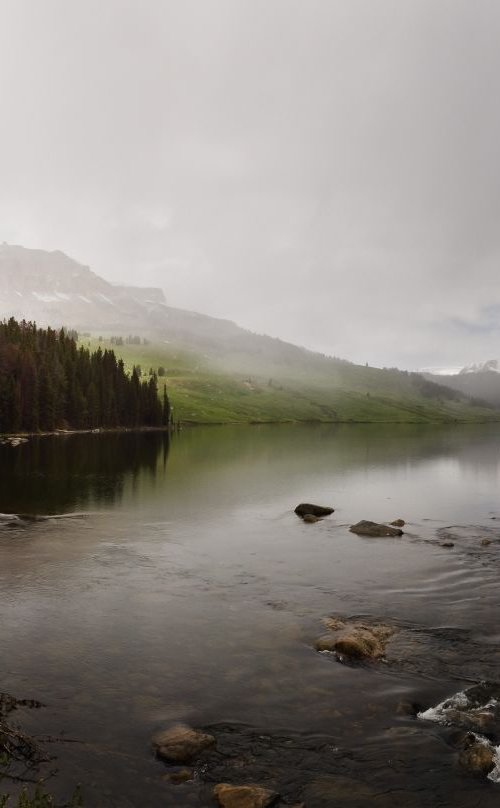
(475, 714)
(181, 745)
(313, 513)
(353, 640)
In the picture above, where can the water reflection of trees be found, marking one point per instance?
(64, 473)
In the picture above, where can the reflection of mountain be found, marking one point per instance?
(235, 458)
(57, 475)
(80, 472)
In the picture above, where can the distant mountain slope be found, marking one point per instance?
(477, 383)
(216, 370)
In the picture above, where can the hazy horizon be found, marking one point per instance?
(323, 172)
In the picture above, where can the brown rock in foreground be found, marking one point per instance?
(355, 640)
(478, 758)
(367, 528)
(250, 796)
(181, 744)
(315, 510)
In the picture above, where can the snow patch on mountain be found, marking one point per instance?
(491, 366)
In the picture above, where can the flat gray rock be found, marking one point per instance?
(366, 528)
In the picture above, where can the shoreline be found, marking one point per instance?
(96, 431)
(22, 436)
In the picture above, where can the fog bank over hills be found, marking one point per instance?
(317, 170)
(215, 370)
(479, 380)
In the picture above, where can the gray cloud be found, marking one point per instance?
(321, 170)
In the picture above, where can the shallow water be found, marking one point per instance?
(180, 586)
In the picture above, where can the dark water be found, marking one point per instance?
(180, 586)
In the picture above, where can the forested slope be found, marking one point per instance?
(47, 381)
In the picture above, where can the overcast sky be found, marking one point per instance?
(326, 171)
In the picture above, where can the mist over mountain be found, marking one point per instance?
(479, 380)
(51, 288)
(216, 370)
(491, 365)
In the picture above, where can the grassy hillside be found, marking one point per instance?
(294, 385)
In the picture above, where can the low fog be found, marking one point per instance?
(325, 171)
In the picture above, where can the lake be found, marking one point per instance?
(174, 583)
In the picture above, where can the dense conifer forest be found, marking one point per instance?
(47, 382)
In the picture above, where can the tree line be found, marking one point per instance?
(47, 382)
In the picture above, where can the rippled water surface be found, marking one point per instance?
(175, 583)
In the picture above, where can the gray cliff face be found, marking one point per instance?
(53, 289)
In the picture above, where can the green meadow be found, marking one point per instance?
(240, 388)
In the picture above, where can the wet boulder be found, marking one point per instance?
(355, 640)
(367, 528)
(475, 716)
(478, 757)
(250, 796)
(398, 523)
(181, 744)
(476, 709)
(315, 510)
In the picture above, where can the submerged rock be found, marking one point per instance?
(398, 523)
(355, 640)
(367, 528)
(447, 544)
(9, 703)
(409, 709)
(179, 776)
(485, 542)
(314, 510)
(181, 744)
(310, 518)
(251, 796)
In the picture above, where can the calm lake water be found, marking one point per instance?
(177, 584)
